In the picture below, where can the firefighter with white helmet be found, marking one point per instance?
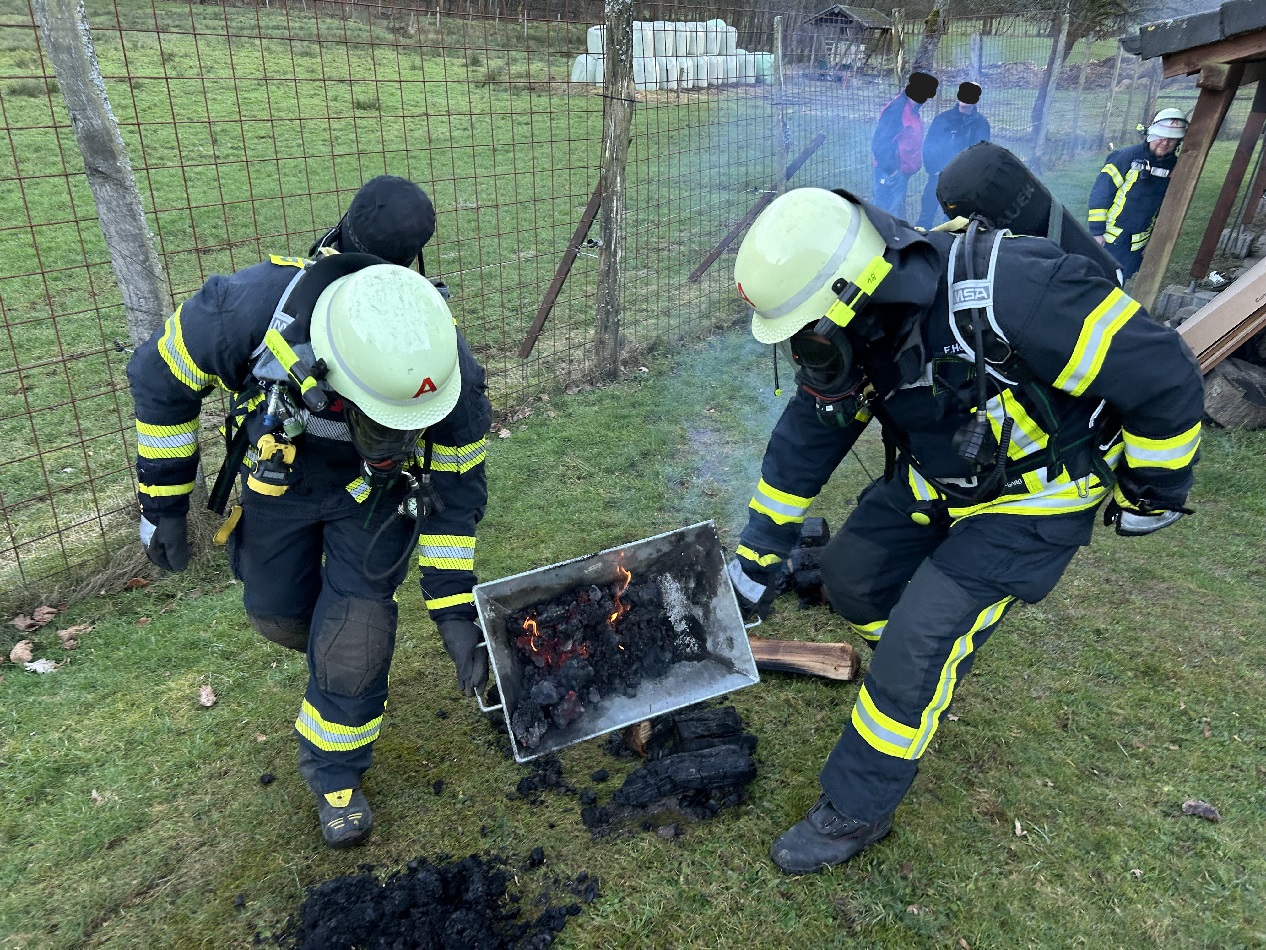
(1018, 389)
(1128, 192)
(357, 428)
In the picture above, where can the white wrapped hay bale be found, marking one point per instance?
(764, 67)
(595, 36)
(714, 37)
(715, 66)
(662, 36)
(688, 78)
(702, 79)
(731, 40)
(581, 68)
(645, 72)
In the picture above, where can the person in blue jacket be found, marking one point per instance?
(357, 427)
(1128, 192)
(950, 132)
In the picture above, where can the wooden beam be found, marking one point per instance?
(1206, 120)
(1229, 319)
(1233, 49)
(1231, 187)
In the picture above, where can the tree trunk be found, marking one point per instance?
(934, 27)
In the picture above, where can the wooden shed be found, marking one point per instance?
(841, 37)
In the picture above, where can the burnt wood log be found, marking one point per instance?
(724, 766)
(1235, 395)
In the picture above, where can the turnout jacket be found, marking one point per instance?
(1127, 195)
(1110, 392)
(211, 341)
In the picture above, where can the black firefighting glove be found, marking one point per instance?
(1133, 515)
(755, 595)
(464, 642)
(166, 542)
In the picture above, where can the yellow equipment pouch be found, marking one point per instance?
(271, 473)
(222, 535)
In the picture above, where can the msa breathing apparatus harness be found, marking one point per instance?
(842, 390)
(287, 378)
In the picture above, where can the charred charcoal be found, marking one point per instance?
(693, 724)
(600, 776)
(545, 693)
(567, 710)
(814, 533)
(588, 797)
(529, 725)
(577, 673)
(719, 766)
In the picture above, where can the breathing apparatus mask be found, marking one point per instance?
(825, 369)
(383, 451)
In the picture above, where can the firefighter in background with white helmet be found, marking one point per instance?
(357, 428)
(1128, 192)
(1018, 389)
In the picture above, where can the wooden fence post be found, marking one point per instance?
(782, 134)
(1112, 94)
(137, 267)
(1076, 137)
(617, 91)
(977, 67)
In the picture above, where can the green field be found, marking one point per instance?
(134, 817)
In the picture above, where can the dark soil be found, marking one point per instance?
(460, 904)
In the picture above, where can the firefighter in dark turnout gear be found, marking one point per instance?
(1128, 192)
(363, 417)
(1017, 388)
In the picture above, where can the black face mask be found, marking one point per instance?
(383, 449)
(825, 367)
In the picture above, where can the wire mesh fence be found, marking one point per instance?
(250, 126)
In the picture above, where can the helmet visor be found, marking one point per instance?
(824, 365)
(377, 444)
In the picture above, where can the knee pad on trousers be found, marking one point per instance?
(353, 645)
(289, 632)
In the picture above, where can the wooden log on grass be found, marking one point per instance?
(833, 661)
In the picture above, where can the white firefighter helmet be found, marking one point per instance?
(1168, 124)
(390, 345)
(793, 254)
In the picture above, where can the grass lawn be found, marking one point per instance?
(1048, 812)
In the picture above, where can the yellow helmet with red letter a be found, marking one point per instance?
(389, 345)
(794, 254)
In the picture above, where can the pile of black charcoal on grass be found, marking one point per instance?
(428, 906)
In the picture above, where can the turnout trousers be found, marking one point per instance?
(301, 559)
(1128, 260)
(926, 597)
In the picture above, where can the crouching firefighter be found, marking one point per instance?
(357, 428)
(1017, 387)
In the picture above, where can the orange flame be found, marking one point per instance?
(620, 608)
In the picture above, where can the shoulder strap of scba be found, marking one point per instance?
(974, 295)
(292, 317)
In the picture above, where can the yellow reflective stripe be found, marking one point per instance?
(1139, 241)
(439, 603)
(164, 491)
(1123, 189)
(171, 347)
(333, 736)
(282, 261)
(447, 552)
(166, 442)
(1058, 496)
(1098, 214)
(1111, 171)
(462, 458)
(881, 732)
(1027, 436)
(962, 649)
(779, 506)
(920, 487)
(1097, 331)
(1175, 452)
(358, 488)
(869, 631)
(764, 560)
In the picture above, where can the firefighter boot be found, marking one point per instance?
(346, 818)
(823, 838)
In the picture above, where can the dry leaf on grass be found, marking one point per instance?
(1020, 832)
(99, 799)
(41, 666)
(23, 652)
(134, 583)
(962, 942)
(70, 636)
(24, 623)
(1200, 809)
(503, 433)
(206, 696)
(260, 737)
(142, 621)
(42, 615)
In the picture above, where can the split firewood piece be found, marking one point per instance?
(833, 661)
